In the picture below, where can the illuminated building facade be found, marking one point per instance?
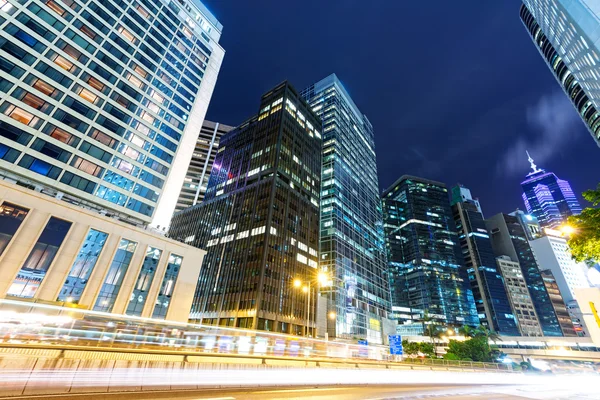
(509, 239)
(567, 37)
(519, 297)
(259, 221)
(549, 199)
(196, 178)
(491, 300)
(351, 243)
(425, 268)
(102, 101)
(52, 252)
(558, 303)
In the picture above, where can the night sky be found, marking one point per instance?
(456, 90)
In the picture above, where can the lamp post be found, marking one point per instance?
(322, 279)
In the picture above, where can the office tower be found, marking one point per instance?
(549, 199)
(259, 221)
(351, 243)
(491, 300)
(552, 252)
(509, 239)
(459, 193)
(102, 100)
(558, 303)
(196, 178)
(518, 295)
(425, 267)
(566, 34)
(53, 252)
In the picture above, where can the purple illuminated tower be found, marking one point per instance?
(549, 199)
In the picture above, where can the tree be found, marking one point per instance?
(584, 238)
(483, 331)
(466, 331)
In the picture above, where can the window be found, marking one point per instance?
(163, 301)
(118, 180)
(8, 153)
(103, 138)
(40, 167)
(111, 195)
(82, 267)
(44, 87)
(18, 114)
(50, 150)
(40, 258)
(114, 277)
(87, 166)
(78, 182)
(89, 96)
(144, 282)
(95, 152)
(61, 135)
(11, 217)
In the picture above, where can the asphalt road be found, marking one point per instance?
(404, 392)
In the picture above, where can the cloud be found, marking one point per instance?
(556, 125)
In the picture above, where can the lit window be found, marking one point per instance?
(63, 63)
(18, 114)
(87, 95)
(135, 81)
(44, 87)
(301, 258)
(128, 35)
(95, 83)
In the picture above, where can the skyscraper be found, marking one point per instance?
(351, 243)
(558, 303)
(519, 297)
(493, 306)
(259, 221)
(196, 178)
(101, 103)
(549, 199)
(509, 239)
(552, 252)
(566, 35)
(425, 270)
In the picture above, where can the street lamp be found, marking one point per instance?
(450, 332)
(322, 280)
(567, 230)
(332, 315)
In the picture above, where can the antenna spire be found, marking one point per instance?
(533, 166)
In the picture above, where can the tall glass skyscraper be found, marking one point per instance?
(425, 269)
(566, 34)
(259, 221)
(351, 242)
(101, 101)
(491, 299)
(547, 198)
(510, 239)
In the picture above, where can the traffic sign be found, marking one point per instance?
(396, 345)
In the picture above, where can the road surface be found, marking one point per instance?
(403, 392)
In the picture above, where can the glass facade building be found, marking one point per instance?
(567, 37)
(259, 221)
(549, 199)
(425, 267)
(510, 239)
(196, 178)
(102, 101)
(489, 292)
(351, 234)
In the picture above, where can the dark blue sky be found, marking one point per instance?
(455, 90)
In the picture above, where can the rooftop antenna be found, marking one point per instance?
(533, 166)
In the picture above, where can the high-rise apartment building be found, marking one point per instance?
(549, 199)
(566, 35)
(509, 239)
(552, 252)
(425, 268)
(196, 178)
(351, 243)
(259, 221)
(102, 101)
(491, 300)
(519, 297)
